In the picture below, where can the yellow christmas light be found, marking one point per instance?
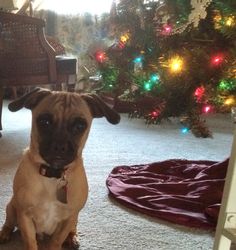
(217, 18)
(124, 38)
(229, 101)
(176, 64)
(229, 21)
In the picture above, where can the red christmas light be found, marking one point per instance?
(100, 56)
(207, 108)
(166, 29)
(217, 60)
(121, 45)
(154, 114)
(199, 92)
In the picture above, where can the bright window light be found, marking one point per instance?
(78, 6)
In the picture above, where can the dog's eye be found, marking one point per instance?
(45, 121)
(78, 125)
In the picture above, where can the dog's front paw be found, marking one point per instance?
(5, 234)
(72, 241)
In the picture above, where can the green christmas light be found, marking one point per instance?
(227, 85)
(147, 86)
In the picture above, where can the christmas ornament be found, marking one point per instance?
(199, 11)
(163, 16)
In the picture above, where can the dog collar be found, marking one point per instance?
(61, 192)
(49, 172)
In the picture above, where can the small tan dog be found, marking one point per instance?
(50, 186)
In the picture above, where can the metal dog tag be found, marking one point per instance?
(62, 190)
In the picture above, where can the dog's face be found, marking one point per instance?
(60, 126)
(61, 122)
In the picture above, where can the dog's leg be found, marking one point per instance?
(28, 232)
(61, 233)
(72, 241)
(9, 225)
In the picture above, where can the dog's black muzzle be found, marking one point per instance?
(58, 155)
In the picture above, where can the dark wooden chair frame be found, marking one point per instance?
(28, 59)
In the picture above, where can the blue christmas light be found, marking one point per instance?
(185, 130)
(138, 59)
(154, 77)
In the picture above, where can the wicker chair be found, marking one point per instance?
(28, 59)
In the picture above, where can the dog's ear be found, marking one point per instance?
(29, 100)
(99, 108)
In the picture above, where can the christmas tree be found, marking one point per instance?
(171, 58)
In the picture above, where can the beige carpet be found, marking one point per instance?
(103, 223)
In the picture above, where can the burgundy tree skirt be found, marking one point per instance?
(180, 191)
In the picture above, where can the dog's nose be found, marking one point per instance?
(61, 148)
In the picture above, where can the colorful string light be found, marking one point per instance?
(176, 64)
(184, 130)
(166, 29)
(230, 101)
(207, 109)
(154, 114)
(100, 56)
(154, 78)
(227, 84)
(199, 93)
(125, 37)
(147, 86)
(123, 40)
(217, 60)
(230, 21)
(138, 59)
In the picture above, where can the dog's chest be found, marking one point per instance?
(50, 211)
